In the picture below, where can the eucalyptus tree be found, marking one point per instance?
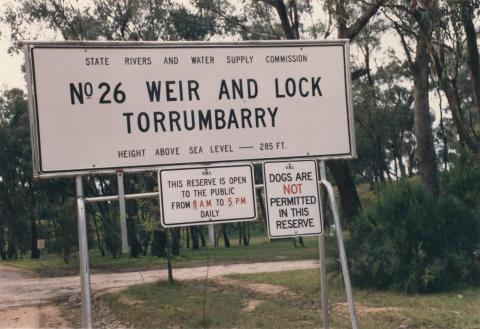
(413, 24)
(455, 60)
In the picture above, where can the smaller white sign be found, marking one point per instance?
(206, 195)
(291, 192)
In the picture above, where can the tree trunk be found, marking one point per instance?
(3, 252)
(194, 234)
(246, 233)
(135, 246)
(175, 241)
(427, 161)
(97, 233)
(401, 165)
(33, 226)
(225, 236)
(349, 200)
(169, 255)
(473, 60)
(240, 233)
(170, 272)
(262, 206)
(202, 236)
(159, 243)
(300, 240)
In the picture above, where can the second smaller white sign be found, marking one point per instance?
(291, 192)
(206, 195)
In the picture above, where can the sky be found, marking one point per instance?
(10, 66)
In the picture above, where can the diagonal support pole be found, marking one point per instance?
(341, 246)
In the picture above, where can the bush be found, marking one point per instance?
(463, 183)
(409, 240)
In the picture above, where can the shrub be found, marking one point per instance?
(409, 240)
(463, 183)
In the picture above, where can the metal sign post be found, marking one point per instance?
(323, 273)
(86, 296)
(123, 212)
(211, 234)
(341, 247)
(83, 251)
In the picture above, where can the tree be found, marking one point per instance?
(427, 162)
(451, 58)
(415, 22)
(16, 186)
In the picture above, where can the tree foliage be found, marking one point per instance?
(411, 241)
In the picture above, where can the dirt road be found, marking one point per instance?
(27, 302)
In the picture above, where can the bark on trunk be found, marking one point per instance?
(473, 60)
(427, 160)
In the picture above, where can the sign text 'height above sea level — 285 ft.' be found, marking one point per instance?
(97, 107)
(292, 197)
(206, 195)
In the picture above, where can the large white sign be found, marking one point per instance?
(208, 195)
(97, 107)
(292, 196)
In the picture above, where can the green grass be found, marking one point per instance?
(181, 305)
(261, 249)
(456, 309)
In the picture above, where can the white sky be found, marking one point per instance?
(10, 66)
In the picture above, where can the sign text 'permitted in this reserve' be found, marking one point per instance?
(98, 107)
(207, 195)
(292, 196)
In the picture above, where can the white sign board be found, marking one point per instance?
(97, 107)
(207, 195)
(292, 196)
